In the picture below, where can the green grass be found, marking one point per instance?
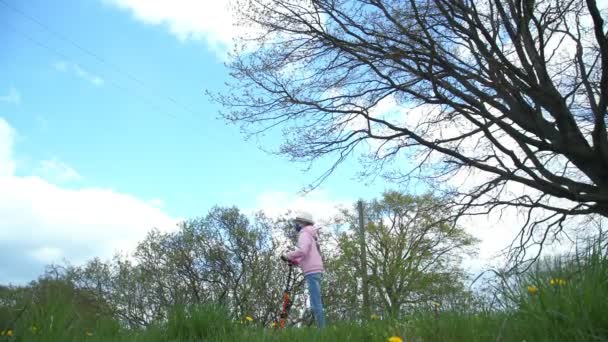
(573, 309)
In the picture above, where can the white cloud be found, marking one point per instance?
(79, 71)
(12, 97)
(318, 202)
(56, 171)
(496, 230)
(99, 218)
(323, 207)
(47, 254)
(157, 202)
(211, 21)
(42, 222)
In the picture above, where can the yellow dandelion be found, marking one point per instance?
(9, 333)
(249, 318)
(395, 339)
(532, 289)
(375, 317)
(557, 281)
(88, 333)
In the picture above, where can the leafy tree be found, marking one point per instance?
(224, 258)
(230, 259)
(52, 304)
(414, 250)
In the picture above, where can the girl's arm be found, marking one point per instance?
(304, 243)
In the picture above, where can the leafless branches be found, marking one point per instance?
(514, 90)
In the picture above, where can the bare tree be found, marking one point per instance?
(513, 91)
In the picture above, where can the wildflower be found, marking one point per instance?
(532, 289)
(435, 304)
(395, 339)
(88, 333)
(273, 324)
(9, 333)
(375, 317)
(249, 318)
(557, 281)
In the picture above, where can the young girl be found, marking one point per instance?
(308, 256)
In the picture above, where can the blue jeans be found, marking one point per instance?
(314, 289)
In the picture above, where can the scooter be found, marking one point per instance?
(307, 319)
(287, 302)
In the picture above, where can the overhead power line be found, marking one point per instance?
(87, 51)
(64, 56)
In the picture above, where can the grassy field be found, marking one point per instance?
(563, 300)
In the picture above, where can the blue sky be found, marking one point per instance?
(120, 134)
(87, 105)
(105, 132)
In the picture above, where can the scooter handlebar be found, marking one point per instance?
(289, 262)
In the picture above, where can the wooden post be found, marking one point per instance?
(366, 308)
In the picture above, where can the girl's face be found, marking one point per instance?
(297, 226)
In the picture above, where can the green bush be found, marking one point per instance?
(560, 299)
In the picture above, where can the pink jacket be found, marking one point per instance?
(306, 254)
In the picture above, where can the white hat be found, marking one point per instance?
(303, 216)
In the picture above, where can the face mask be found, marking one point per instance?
(297, 226)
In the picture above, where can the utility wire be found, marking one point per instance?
(91, 53)
(67, 58)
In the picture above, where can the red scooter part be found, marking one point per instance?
(286, 296)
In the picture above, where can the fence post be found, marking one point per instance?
(366, 308)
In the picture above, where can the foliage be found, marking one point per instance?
(224, 258)
(571, 310)
(229, 259)
(414, 251)
(560, 298)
